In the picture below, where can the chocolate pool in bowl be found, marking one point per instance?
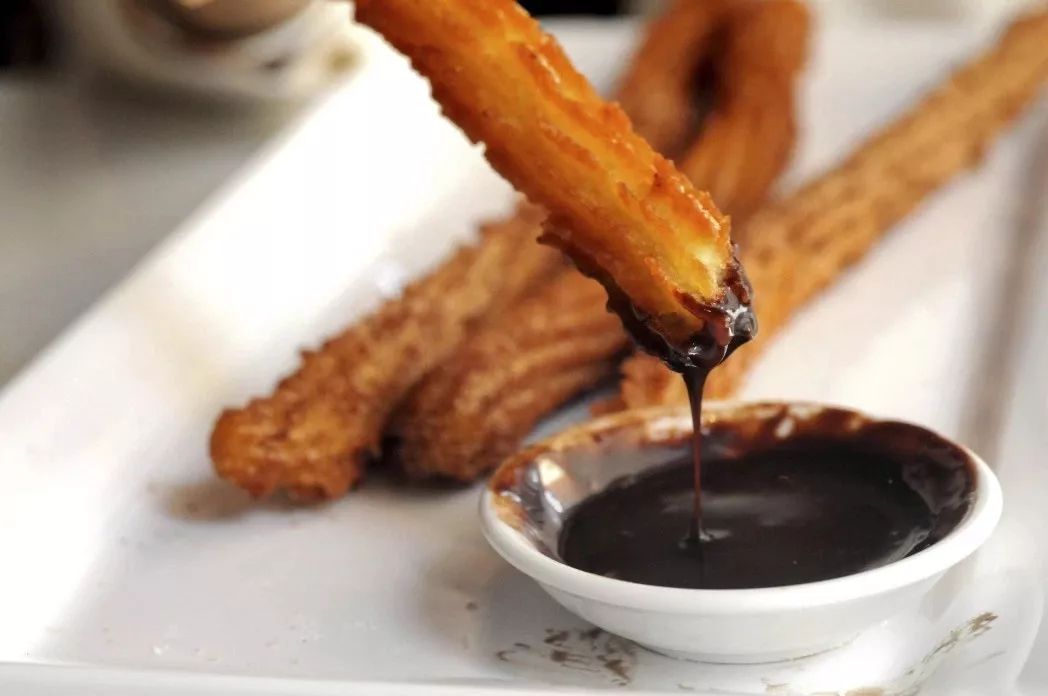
(786, 503)
(817, 522)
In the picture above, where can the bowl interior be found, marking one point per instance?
(538, 489)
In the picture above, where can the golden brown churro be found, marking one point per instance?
(749, 134)
(801, 245)
(658, 89)
(435, 435)
(621, 210)
(471, 412)
(300, 438)
(313, 434)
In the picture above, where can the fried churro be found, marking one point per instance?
(621, 211)
(804, 243)
(434, 436)
(313, 435)
(301, 438)
(472, 411)
(749, 134)
(658, 88)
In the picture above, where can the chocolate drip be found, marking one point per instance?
(727, 323)
(695, 381)
(730, 324)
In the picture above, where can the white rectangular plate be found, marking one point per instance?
(125, 557)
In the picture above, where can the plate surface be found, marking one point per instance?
(125, 557)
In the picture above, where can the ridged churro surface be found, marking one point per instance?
(620, 209)
(436, 437)
(313, 435)
(316, 432)
(473, 410)
(661, 88)
(749, 134)
(801, 245)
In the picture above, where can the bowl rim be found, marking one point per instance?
(970, 533)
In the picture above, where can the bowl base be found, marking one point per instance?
(761, 658)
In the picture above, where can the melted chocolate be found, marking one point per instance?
(727, 324)
(770, 512)
(733, 325)
(727, 321)
(774, 511)
(695, 382)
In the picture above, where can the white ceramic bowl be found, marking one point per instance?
(524, 504)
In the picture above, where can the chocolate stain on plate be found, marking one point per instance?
(972, 629)
(912, 680)
(588, 651)
(556, 638)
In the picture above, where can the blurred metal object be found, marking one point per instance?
(645, 6)
(228, 18)
(591, 7)
(24, 38)
(302, 54)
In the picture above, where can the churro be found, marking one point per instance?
(313, 435)
(471, 412)
(659, 87)
(749, 133)
(301, 438)
(435, 437)
(804, 243)
(620, 210)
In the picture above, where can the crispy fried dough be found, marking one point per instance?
(616, 206)
(658, 89)
(804, 243)
(749, 134)
(473, 410)
(313, 434)
(436, 438)
(299, 438)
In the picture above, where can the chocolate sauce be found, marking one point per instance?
(695, 382)
(727, 324)
(765, 513)
(775, 511)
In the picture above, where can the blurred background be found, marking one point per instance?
(119, 117)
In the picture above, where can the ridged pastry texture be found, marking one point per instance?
(798, 247)
(314, 434)
(472, 411)
(439, 439)
(622, 211)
